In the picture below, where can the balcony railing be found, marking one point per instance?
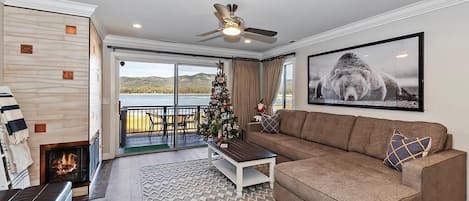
(159, 120)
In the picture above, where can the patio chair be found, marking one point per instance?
(153, 123)
(181, 121)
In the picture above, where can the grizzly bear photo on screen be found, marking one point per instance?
(352, 79)
(385, 74)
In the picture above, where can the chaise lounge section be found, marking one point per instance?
(329, 157)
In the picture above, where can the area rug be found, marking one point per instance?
(194, 180)
(145, 148)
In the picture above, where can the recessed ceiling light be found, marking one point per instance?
(137, 26)
(403, 55)
(247, 41)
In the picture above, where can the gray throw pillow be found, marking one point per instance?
(402, 149)
(270, 124)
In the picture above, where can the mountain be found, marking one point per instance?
(198, 83)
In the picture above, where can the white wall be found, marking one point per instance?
(446, 69)
(1, 41)
(108, 107)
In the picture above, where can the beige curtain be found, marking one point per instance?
(272, 78)
(246, 89)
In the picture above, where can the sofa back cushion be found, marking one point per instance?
(371, 136)
(329, 129)
(291, 122)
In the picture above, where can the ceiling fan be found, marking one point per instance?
(232, 27)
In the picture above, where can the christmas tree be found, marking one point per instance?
(218, 119)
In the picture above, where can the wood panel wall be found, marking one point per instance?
(37, 79)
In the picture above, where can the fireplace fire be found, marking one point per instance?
(65, 162)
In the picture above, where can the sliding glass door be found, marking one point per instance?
(147, 100)
(161, 105)
(193, 95)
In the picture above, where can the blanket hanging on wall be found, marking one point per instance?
(18, 156)
(12, 117)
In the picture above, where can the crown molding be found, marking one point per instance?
(59, 6)
(177, 47)
(412, 10)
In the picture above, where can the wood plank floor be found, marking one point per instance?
(124, 184)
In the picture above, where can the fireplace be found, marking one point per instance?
(65, 162)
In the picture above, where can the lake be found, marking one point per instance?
(168, 99)
(163, 99)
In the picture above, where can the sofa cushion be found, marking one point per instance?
(268, 141)
(282, 194)
(291, 147)
(291, 122)
(329, 129)
(344, 177)
(371, 136)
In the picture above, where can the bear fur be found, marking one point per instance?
(352, 79)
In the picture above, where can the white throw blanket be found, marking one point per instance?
(17, 160)
(13, 133)
(12, 117)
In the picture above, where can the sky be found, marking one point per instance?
(141, 69)
(290, 72)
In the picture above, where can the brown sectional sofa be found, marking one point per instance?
(328, 157)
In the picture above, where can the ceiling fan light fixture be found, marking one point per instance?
(231, 29)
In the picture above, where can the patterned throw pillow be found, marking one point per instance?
(270, 124)
(402, 149)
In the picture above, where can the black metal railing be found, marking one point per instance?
(94, 154)
(159, 119)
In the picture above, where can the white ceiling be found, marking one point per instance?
(181, 20)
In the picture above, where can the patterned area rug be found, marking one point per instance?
(195, 180)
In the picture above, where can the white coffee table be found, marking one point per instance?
(237, 163)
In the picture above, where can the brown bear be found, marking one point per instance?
(352, 79)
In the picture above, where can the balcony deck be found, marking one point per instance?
(143, 139)
(145, 128)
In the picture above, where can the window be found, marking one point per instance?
(284, 98)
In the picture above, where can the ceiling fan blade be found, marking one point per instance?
(234, 7)
(222, 10)
(219, 17)
(261, 38)
(211, 38)
(261, 32)
(208, 33)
